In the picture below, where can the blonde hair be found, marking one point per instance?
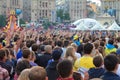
(74, 45)
(37, 73)
(24, 75)
(70, 53)
(48, 48)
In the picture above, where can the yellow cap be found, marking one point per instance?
(75, 37)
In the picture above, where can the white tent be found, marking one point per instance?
(114, 26)
(87, 24)
(98, 27)
(81, 26)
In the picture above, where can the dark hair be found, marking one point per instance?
(110, 41)
(37, 73)
(102, 43)
(7, 51)
(34, 47)
(88, 48)
(42, 47)
(80, 48)
(56, 54)
(64, 68)
(86, 40)
(110, 62)
(59, 43)
(11, 52)
(26, 53)
(21, 45)
(97, 61)
(28, 43)
(118, 39)
(77, 76)
(2, 54)
(101, 50)
(23, 64)
(116, 46)
(96, 45)
(103, 39)
(32, 42)
(66, 43)
(16, 38)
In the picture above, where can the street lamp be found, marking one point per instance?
(18, 12)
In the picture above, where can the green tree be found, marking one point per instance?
(2, 21)
(66, 16)
(46, 24)
(22, 21)
(60, 14)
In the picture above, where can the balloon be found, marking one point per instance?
(18, 11)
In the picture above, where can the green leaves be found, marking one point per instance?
(2, 21)
(63, 15)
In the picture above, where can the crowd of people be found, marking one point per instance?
(29, 54)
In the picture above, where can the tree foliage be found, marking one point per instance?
(66, 16)
(2, 21)
(63, 15)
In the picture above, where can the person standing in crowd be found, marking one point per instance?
(35, 53)
(98, 71)
(51, 68)
(4, 75)
(21, 65)
(65, 70)
(110, 47)
(26, 55)
(111, 63)
(118, 42)
(70, 54)
(76, 40)
(65, 45)
(32, 59)
(38, 73)
(3, 58)
(78, 55)
(24, 75)
(86, 61)
(19, 53)
(43, 60)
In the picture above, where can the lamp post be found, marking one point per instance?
(18, 12)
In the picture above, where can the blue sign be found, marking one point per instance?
(18, 11)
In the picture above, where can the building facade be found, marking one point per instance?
(43, 9)
(12, 5)
(112, 4)
(3, 7)
(26, 10)
(77, 9)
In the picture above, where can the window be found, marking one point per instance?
(46, 4)
(40, 13)
(46, 12)
(35, 14)
(43, 12)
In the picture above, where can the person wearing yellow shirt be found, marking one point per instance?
(86, 61)
(110, 47)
